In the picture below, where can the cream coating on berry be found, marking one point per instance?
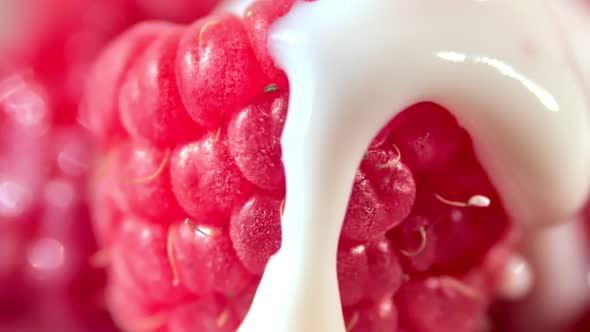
(506, 99)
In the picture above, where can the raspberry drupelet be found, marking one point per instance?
(189, 196)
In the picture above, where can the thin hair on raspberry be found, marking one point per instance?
(474, 201)
(282, 207)
(156, 173)
(421, 247)
(222, 318)
(459, 286)
(102, 167)
(101, 259)
(217, 134)
(204, 28)
(354, 320)
(271, 88)
(202, 230)
(394, 162)
(172, 258)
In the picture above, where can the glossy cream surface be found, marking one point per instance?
(506, 69)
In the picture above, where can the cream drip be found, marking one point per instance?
(499, 65)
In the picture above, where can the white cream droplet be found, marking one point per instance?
(517, 279)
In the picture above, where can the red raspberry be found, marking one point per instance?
(206, 261)
(353, 272)
(380, 315)
(150, 104)
(100, 109)
(253, 140)
(196, 190)
(255, 231)
(44, 222)
(217, 71)
(206, 181)
(439, 304)
(144, 182)
(45, 155)
(61, 38)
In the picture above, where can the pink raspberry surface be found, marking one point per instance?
(48, 275)
(61, 38)
(46, 280)
(190, 192)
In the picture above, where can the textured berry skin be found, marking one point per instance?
(228, 78)
(382, 196)
(435, 304)
(101, 107)
(142, 247)
(253, 140)
(206, 261)
(150, 199)
(206, 181)
(149, 101)
(353, 272)
(195, 186)
(256, 232)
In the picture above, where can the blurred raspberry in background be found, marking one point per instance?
(47, 281)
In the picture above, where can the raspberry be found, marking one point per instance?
(101, 108)
(439, 304)
(150, 104)
(133, 315)
(206, 181)
(432, 141)
(206, 314)
(144, 247)
(253, 140)
(44, 221)
(256, 232)
(195, 190)
(259, 18)
(382, 196)
(207, 262)
(416, 241)
(173, 10)
(45, 157)
(144, 182)
(60, 45)
(227, 78)
(353, 272)
(372, 317)
(385, 271)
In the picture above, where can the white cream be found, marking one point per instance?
(573, 17)
(237, 7)
(517, 279)
(561, 262)
(498, 65)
